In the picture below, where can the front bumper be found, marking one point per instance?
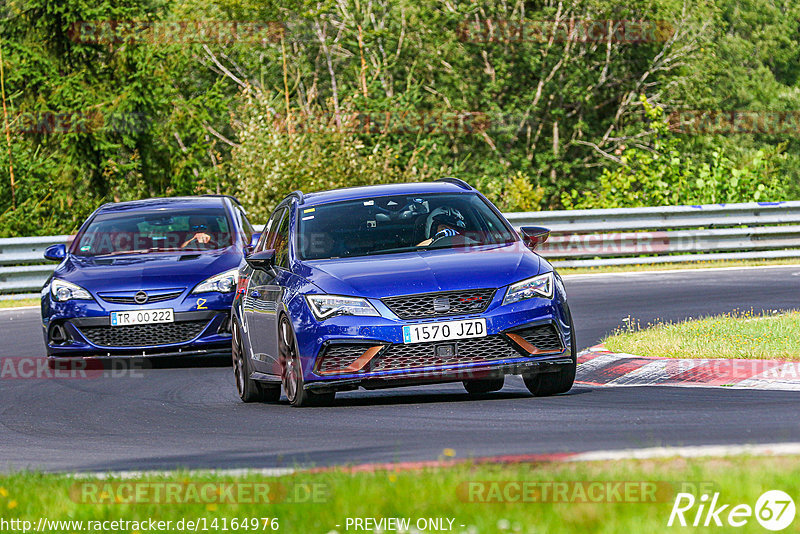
(457, 373)
(78, 329)
(374, 355)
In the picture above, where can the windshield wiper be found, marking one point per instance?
(139, 251)
(390, 251)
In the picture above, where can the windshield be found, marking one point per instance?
(385, 225)
(155, 231)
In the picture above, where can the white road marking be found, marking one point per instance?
(674, 271)
(700, 451)
(243, 472)
(20, 308)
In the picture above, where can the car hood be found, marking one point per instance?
(488, 266)
(146, 271)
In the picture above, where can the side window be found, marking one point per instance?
(281, 244)
(267, 236)
(247, 228)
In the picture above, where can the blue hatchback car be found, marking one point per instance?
(397, 285)
(147, 278)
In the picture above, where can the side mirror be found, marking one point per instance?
(533, 236)
(264, 260)
(55, 252)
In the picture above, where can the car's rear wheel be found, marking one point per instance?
(292, 372)
(561, 381)
(249, 390)
(482, 387)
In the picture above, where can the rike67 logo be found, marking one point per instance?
(774, 510)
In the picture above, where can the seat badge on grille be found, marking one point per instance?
(441, 304)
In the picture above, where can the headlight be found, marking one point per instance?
(538, 286)
(221, 283)
(327, 306)
(63, 291)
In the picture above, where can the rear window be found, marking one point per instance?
(155, 231)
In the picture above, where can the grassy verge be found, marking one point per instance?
(673, 266)
(19, 303)
(323, 502)
(733, 335)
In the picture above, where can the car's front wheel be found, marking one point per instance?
(292, 372)
(249, 390)
(482, 387)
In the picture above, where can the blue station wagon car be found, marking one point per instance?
(147, 278)
(397, 285)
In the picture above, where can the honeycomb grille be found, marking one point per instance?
(338, 356)
(143, 335)
(150, 299)
(544, 337)
(458, 303)
(411, 356)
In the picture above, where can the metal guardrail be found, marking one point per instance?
(668, 234)
(579, 238)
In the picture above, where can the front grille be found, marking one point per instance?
(143, 335)
(421, 305)
(337, 356)
(415, 355)
(150, 299)
(544, 337)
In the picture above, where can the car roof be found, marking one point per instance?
(160, 203)
(369, 191)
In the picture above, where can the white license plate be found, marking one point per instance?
(444, 331)
(128, 318)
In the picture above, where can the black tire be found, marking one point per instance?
(547, 384)
(249, 390)
(292, 372)
(482, 387)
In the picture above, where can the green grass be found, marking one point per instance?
(733, 335)
(440, 493)
(672, 266)
(19, 303)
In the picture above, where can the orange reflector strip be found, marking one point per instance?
(359, 362)
(527, 347)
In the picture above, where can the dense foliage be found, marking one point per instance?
(349, 92)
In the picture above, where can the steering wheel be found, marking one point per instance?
(211, 243)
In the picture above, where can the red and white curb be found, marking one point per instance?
(598, 366)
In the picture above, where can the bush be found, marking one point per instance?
(665, 174)
(311, 152)
(513, 193)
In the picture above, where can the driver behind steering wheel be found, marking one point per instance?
(449, 223)
(199, 226)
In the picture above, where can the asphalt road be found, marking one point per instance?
(181, 415)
